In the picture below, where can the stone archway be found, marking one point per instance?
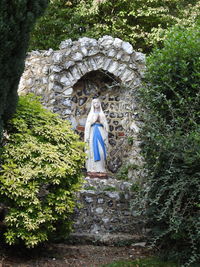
(55, 75)
(75, 59)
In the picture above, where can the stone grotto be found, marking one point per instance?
(67, 80)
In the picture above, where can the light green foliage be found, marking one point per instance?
(40, 173)
(171, 145)
(89, 188)
(143, 23)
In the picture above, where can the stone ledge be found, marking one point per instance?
(101, 184)
(107, 239)
(98, 175)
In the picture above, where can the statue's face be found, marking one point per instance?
(96, 103)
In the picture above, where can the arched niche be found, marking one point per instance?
(107, 88)
(67, 80)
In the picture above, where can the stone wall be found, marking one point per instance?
(69, 78)
(105, 214)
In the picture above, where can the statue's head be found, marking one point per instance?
(96, 103)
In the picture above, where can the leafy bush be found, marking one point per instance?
(40, 173)
(171, 145)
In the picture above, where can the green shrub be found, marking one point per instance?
(171, 145)
(40, 173)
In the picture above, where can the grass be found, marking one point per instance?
(110, 188)
(90, 188)
(147, 262)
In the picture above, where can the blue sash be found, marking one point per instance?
(97, 138)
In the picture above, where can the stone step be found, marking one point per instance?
(107, 215)
(108, 239)
(110, 184)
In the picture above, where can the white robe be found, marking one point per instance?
(91, 164)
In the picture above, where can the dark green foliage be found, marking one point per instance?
(40, 173)
(58, 23)
(16, 20)
(123, 172)
(140, 22)
(171, 145)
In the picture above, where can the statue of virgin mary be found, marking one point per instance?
(96, 138)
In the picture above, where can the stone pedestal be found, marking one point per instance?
(105, 216)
